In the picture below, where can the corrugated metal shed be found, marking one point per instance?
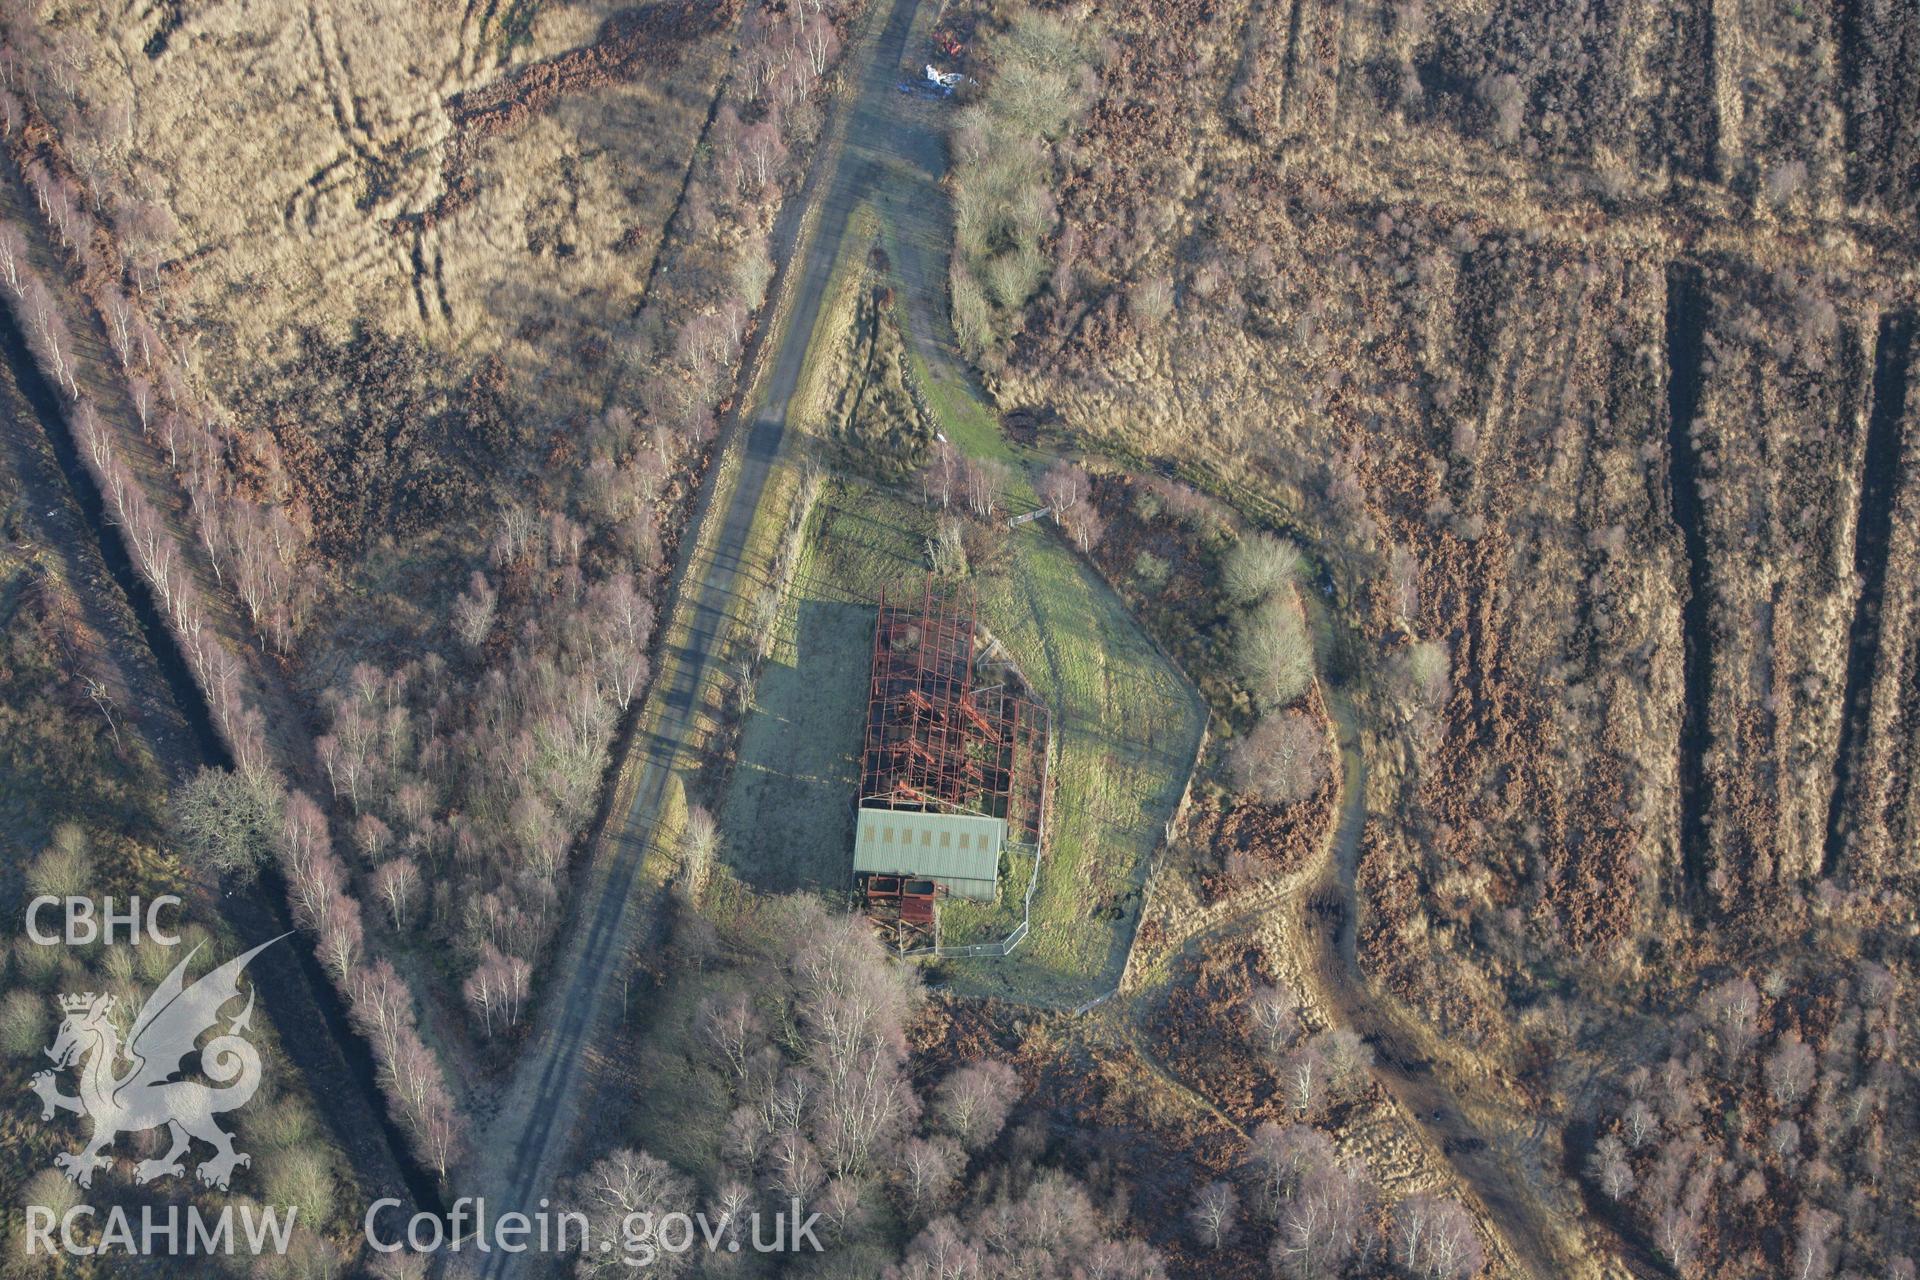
(960, 850)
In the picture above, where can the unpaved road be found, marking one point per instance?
(1509, 1182)
(1516, 1213)
(1326, 951)
(530, 1144)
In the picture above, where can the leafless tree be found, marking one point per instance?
(381, 1007)
(947, 548)
(1790, 1070)
(172, 430)
(984, 479)
(1321, 1225)
(1062, 487)
(101, 695)
(1418, 675)
(371, 837)
(1273, 1013)
(1403, 572)
(496, 988)
(1048, 1231)
(140, 391)
(925, 1170)
(623, 625)
(1273, 652)
(1813, 1245)
(58, 200)
(397, 884)
(1278, 1158)
(96, 448)
(1434, 1237)
(437, 1127)
(1257, 567)
(699, 848)
(706, 344)
(819, 43)
(118, 314)
(303, 849)
(13, 261)
(47, 336)
(1214, 1213)
(1609, 1168)
(226, 821)
(1085, 525)
(972, 1103)
(794, 1166)
(764, 151)
(473, 611)
(262, 550)
(1347, 1058)
(1150, 302)
(403, 1265)
(1639, 1122)
(1732, 1009)
(731, 1205)
(342, 938)
(852, 1006)
(941, 480)
(731, 1029)
(147, 230)
(1282, 761)
(843, 1206)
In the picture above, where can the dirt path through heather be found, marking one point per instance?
(1330, 957)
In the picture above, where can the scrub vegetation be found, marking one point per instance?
(1572, 349)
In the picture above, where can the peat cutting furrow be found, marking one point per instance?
(1291, 74)
(1680, 100)
(1879, 97)
(338, 1066)
(1879, 483)
(1853, 63)
(1686, 325)
(714, 104)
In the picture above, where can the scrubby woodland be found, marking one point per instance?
(398, 397)
(794, 1060)
(84, 734)
(1573, 345)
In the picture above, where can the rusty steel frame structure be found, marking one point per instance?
(936, 741)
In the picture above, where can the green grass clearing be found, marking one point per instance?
(1126, 726)
(969, 424)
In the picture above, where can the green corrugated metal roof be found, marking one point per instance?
(962, 851)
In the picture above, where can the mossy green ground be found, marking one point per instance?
(1126, 729)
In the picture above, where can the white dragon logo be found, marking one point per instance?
(148, 1096)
